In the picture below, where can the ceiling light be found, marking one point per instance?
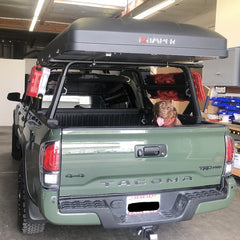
(154, 9)
(97, 3)
(36, 14)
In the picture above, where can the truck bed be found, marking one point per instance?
(110, 117)
(99, 117)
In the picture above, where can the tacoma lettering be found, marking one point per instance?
(140, 182)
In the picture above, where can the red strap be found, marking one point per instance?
(170, 122)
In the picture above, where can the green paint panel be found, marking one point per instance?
(51, 212)
(219, 204)
(101, 161)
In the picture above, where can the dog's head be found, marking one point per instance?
(164, 110)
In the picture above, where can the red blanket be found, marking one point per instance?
(171, 79)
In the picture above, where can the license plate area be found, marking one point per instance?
(142, 204)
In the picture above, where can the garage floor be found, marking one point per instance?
(220, 225)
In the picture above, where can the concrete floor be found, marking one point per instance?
(220, 225)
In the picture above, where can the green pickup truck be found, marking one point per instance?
(83, 131)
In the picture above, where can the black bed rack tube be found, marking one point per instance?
(197, 112)
(56, 97)
(140, 64)
(185, 67)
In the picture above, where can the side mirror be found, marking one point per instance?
(14, 96)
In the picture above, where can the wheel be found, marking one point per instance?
(16, 148)
(25, 223)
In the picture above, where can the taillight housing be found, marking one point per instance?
(229, 149)
(50, 164)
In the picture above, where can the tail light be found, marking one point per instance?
(229, 144)
(49, 164)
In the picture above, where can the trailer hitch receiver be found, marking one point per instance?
(147, 232)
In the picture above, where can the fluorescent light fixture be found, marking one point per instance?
(154, 9)
(97, 3)
(36, 14)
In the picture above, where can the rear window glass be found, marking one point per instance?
(93, 91)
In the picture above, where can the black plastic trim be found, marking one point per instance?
(111, 209)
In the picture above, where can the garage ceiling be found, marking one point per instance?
(16, 17)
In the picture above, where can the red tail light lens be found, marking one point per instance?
(229, 148)
(51, 157)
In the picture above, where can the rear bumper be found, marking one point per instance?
(110, 210)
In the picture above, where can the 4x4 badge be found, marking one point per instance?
(80, 175)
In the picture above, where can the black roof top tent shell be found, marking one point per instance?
(128, 40)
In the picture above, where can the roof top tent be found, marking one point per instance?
(94, 42)
(129, 41)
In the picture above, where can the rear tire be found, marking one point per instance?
(16, 148)
(25, 223)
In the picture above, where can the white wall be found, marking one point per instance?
(206, 20)
(29, 63)
(228, 21)
(12, 80)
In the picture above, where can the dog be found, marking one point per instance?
(165, 114)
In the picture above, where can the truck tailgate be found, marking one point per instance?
(105, 161)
